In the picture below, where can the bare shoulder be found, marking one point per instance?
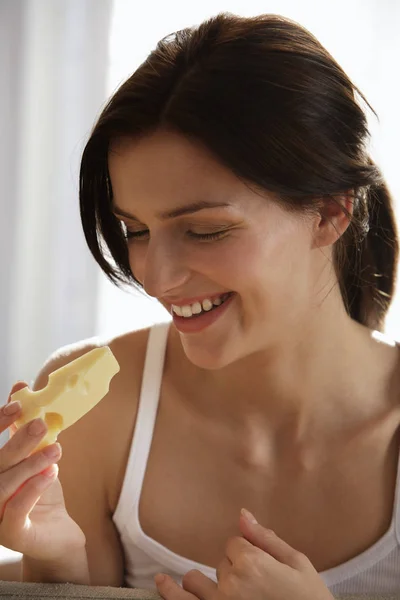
(96, 449)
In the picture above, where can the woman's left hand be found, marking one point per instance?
(258, 565)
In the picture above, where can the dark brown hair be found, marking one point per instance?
(274, 107)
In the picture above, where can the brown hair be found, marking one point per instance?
(274, 107)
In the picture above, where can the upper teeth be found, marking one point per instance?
(197, 307)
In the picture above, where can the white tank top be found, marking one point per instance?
(377, 570)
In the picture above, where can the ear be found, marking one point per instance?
(334, 218)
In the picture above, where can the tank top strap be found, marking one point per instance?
(145, 422)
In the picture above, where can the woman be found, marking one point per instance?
(229, 178)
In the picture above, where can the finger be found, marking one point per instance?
(237, 546)
(224, 568)
(199, 584)
(14, 478)
(7, 414)
(170, 590)
(22, 444)
(20, 505)
(18, 385)
(269, 542)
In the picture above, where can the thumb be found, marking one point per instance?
(267, 540)
(18, 385)
(53, 495)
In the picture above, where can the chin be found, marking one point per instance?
(210, 359)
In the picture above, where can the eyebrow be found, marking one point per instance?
(177, 212)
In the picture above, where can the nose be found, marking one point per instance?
(164, 268)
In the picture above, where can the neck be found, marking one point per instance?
(322, 374)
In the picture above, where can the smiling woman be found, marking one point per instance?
(304, 91)
(184, 253)
(255, 120)
(229, 177)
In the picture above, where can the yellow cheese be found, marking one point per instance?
(71, 392)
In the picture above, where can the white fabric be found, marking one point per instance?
(53, 65)
(377, 570)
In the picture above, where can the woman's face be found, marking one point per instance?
(260, 252)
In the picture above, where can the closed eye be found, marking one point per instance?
(139, 235)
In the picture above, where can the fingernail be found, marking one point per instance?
(11, 408)
(36, 427)
(248, 516)
(51, 472)
(159, 578)
(53, 451)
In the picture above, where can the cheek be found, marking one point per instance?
(213, 261)
(137, 258)
(275, 264)
(269, 261)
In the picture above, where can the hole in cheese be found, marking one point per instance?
(54, 420)
(72, 381)
(77, 382)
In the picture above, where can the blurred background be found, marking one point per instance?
(60, 60)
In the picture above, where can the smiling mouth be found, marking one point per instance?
(203, 312)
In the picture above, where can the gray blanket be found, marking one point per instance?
(66, 591)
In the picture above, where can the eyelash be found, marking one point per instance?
(198, 236)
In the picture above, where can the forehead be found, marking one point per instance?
(166, 162)
(164, 170)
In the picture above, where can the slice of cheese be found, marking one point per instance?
(71, 392)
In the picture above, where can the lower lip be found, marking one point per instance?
(195, 324)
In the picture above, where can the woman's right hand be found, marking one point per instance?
(33, 516)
